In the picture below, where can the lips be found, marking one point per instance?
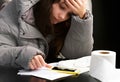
(55, 20)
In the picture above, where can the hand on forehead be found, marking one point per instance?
(78, 7)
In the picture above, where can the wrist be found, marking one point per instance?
(86, 15)
(82, 13)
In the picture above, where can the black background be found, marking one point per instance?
(105, 27)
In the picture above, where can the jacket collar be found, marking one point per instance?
(29, 31)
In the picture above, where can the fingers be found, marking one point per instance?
(31, 66)
(71, 3)
(48, 66)
(37, 62)
(77, 6)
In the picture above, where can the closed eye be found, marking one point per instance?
(62, 5)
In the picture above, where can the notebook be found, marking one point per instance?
(65, 68)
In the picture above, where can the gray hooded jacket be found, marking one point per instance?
(20, 41)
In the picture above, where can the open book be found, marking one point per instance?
(79, 66)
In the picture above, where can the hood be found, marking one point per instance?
(24, 5)
(27, 31)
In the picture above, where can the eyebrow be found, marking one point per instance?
(63, 2)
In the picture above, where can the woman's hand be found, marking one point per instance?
(38, 62)
(78, 7)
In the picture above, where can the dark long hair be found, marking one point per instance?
(42, 14)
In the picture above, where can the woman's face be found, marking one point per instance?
(60, 12)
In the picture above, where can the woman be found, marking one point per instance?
(33, 32)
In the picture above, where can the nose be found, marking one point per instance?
(62, 16)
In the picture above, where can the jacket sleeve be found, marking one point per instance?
(12, 56)
(79, 40)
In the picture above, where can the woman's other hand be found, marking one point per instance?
(38, 62)
(78, 7)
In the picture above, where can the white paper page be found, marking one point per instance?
(44, 73)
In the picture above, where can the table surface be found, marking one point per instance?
(10, 75)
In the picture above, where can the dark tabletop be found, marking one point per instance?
(10, 75)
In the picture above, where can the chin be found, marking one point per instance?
(55, 23)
